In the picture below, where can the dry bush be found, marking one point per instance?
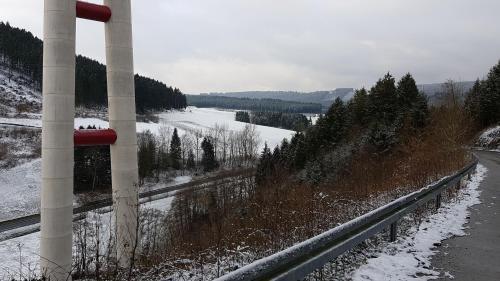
(233, 223)
(4, 150)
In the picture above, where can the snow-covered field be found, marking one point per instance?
(20, 185)
(17, 91)
(20, 189)
(409, 258)
(192, 119)
(19, 256)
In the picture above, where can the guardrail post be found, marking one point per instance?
(438, 200)
(393, 231)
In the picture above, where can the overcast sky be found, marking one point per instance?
(303, 45)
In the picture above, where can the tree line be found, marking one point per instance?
(290, 121)
(22, 52)
(273, 105)
(483, 100)
(169, 153)
(372, 120)
(195, 151)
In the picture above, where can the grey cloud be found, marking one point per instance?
(227, 45)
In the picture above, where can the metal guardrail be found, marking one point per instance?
(302, 259)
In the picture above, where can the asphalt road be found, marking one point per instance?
(476, 256)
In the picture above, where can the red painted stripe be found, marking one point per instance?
(91, 11)
(94, 137)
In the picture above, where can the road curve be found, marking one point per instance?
(476, 256)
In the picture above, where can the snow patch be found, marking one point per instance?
(20, 189)
(409, 258)
(490, 138)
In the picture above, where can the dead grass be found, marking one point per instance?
(230, 217)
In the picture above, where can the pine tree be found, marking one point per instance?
(146, 155)
(489, 100)
(412, 103)
(190, 163)
(359, 107)
(383, 102)
(407, 92)
(208, 158)
(265, 166)
(175, 151)
(472, 101)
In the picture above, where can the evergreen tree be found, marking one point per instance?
(472, 101)
(412, 103)
(407, 92)
(489, 100)
(175, 150)
(383, 102)
(190, 163)
(265, 166)
(146, 155)
(22, 52)
(208, 158)
(359, 107)
(242, 116)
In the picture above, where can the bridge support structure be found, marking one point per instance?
(59, 137)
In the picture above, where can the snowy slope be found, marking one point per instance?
(193, 119)
(20, 256)
(18, 90)
(490, 138)
(204, 118)
(20, 189)
(21, 184)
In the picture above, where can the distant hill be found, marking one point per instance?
(326, 98)
(435, 90)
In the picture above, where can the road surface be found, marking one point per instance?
(477, 255)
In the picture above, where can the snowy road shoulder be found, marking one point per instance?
(409, 258)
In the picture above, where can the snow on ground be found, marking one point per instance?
(195, 119)
(17, 91)
(20, 189)
(204, 118)
(410, 257)
(192, 119)
(22, 121)
(22, 253)
(20, 186)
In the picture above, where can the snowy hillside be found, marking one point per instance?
(21, 184)
(20, 189)
(17, 94)
(192, 119)
(490, 138)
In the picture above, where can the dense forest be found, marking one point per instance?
(380, 123)
(22, 52)
(273, 105)
(290, 121)
(373, 121)
(483, 100)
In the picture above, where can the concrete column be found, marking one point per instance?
(57, 138)
(121, 102)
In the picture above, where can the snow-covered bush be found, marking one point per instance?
(490, 138)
